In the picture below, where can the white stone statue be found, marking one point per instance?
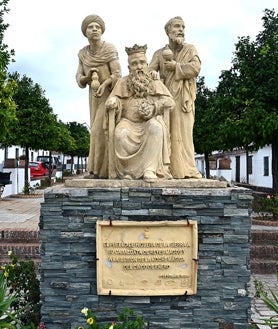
(178, 65)
(99, 68)
(138, 109)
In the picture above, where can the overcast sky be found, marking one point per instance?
(46, 37)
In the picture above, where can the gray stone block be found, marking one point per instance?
(68, 223)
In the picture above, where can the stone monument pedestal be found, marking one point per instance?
(71, 215)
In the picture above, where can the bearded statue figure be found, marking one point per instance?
(141, 137)
(179, 65)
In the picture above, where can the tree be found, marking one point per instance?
(81, 136)
(7, 87)
(65, 142)
(248, 93)
(206, 131)
(36, 125)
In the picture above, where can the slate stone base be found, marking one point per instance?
(68, 261)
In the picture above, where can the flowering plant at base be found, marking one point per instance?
(23, 285)
(267, 206)
(272, 205)
(271, 303)
(9, 318)
(126, 320)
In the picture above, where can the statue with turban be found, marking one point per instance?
(99, 69)
(92, 18)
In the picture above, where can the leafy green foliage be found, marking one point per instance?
(23, 286)
(81, 137)
(37, 126)
(7, 87)
(271, 302)
(65, 143)
(36, 121)
(9, 318)
(206, 132)
(244, 105)
(253, 78)
(266, 206)
(127, 319)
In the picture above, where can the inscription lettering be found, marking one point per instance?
(154, 252)
(147, 258)
(146, 245)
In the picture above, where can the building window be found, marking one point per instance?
(17, 153)
(6, 154)
(266, 166)
(250, 165)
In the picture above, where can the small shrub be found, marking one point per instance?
(127, 319)
(9, 318)
(266, 206)
(45, 182)
(270, 302)
(22, 283)
(67, 173)
(27, 189)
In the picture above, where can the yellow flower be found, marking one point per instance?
(3, 268)
(90, 321)
(10, 253)
(84, 311)
(6, 274)
(112, 325)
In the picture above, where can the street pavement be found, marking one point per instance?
(23, 213)
(20, 213)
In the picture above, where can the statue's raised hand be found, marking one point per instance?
(111, 103)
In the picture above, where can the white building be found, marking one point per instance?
(10, 162)
(259, 166)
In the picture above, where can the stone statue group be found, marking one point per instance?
(141, 124)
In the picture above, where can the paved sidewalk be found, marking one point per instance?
(259, 310)
(24, 213)
(20, 213)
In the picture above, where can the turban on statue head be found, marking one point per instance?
(89, 19)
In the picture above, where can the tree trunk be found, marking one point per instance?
(63, 167)
(275, 164)
(207, 165)
(71, 165)
(50, 168)
(247, 166)
(26, 171)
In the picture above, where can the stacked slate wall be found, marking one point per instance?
(68, 262)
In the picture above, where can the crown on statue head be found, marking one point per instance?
(136, 49)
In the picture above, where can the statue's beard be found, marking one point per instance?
(138, 83)
(178, 39)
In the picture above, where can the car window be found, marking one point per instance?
(33, 164)
(42, 158)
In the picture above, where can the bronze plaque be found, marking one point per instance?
(147, 258)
